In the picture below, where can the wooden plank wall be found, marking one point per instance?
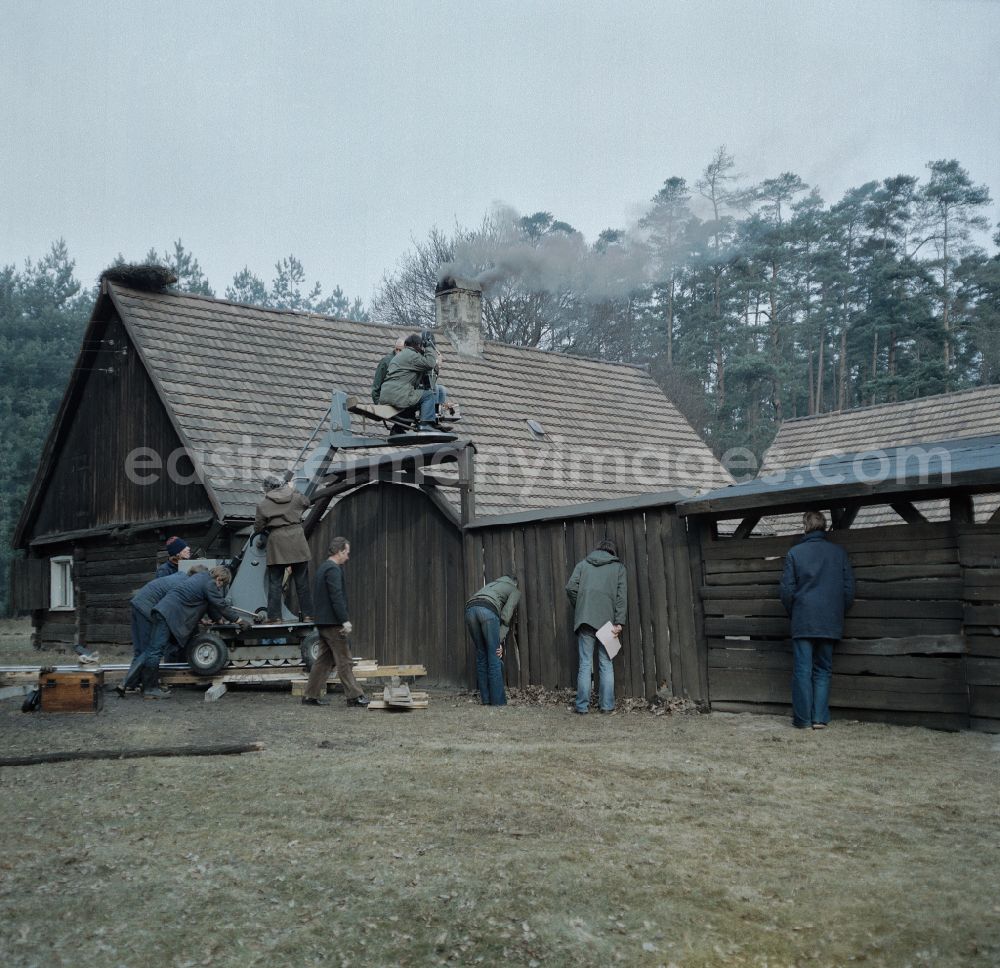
(404, 578)
(660, 647)
(979, 555)
(903, 658)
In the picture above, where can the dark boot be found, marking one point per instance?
(133, 678)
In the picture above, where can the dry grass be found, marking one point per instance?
(524, 835)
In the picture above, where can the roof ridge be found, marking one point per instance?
(170, 291)
(895, 403)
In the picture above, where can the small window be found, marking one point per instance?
(537, 430)
(61, 584)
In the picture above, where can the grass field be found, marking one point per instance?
(469, 835)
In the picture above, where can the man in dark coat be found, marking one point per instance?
(487, 617)
(142, 604)
(280, 514)
(383, 368)
(817, 588)
(177, 614)
(334, 627)
(598, 590)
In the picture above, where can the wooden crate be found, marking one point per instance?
(78, 691)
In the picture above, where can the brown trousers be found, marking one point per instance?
(333, 651)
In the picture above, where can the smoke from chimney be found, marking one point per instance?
(556, 262)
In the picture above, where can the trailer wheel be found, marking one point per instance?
(310, 649)
(207, 654)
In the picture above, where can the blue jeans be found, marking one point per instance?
(484, 629)
(143, 670)
(586, 641)
(141, 628)
(428, 406)
(812, 665)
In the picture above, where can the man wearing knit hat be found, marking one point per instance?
(177, 548)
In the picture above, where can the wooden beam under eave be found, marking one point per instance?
(962, 511)
(908, 512)
(746, 526)
(843, 517)
(994, 517)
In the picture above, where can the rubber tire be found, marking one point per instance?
(309, 647)
(207, 654)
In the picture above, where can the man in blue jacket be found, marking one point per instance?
(334, 627)
(817, 588)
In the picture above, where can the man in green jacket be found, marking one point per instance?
(383, 368)
(487, 617)
(411, 381)
(598, 590)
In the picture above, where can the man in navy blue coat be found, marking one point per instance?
(143, 602)
(817, 588)
(177, 614)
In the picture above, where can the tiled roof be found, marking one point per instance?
(246, 382)
(966, 413)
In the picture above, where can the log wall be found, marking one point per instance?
(106, 574)
(89, 485)
(906, 654)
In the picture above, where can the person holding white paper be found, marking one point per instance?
(598, 590)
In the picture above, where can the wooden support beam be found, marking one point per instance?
(746, 526)
(843, 516)
(467, 482)
(908, 512)
(962, 511)
(321, 500)
(994, 517)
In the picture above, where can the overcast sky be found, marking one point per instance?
(338, 131)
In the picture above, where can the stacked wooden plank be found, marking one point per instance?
(902, 657)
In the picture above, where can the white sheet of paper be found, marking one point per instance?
(608, 639)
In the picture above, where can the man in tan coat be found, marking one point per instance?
(280, 514)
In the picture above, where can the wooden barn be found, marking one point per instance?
(179, 404)
(922, 641)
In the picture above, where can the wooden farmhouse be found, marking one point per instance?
(179, 405)
(912, 492)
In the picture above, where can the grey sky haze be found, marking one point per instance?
(339, 131)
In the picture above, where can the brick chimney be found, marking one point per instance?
(459, 305)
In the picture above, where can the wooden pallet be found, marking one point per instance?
(420, 701)
(383, 672)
